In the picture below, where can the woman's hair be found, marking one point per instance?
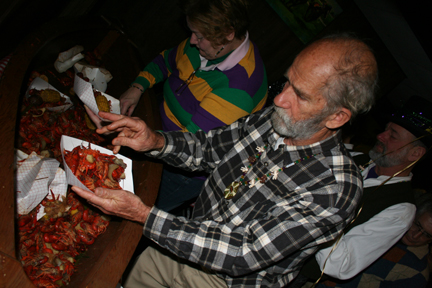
(216, 19)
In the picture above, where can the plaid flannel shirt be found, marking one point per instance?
(262, 236)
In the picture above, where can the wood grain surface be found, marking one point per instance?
(107, 258)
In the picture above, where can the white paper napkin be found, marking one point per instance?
(36, 177)
(84, 90)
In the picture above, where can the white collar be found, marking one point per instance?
(278, 142)
(371, 182)
(231, 60)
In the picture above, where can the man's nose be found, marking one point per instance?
(383, 136)
(283, 98)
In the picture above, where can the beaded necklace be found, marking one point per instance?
(231, 190)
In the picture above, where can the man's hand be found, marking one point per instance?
(129, 100)
(116, 202)
(133, 133)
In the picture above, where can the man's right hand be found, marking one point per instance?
(133, 133)
(129, 100)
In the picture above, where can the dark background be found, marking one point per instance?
(157, 25)
(396, 30)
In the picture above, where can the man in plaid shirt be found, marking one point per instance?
(281, 182)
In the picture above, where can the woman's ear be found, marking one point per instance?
(230, 36)
(338, 119)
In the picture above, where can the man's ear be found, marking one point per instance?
(338, 119)
(416, 153)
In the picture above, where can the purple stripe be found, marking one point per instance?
(206, 120)
(186, 99)
(167, 124)
(160, 62)
(172, 61)
(239, 78)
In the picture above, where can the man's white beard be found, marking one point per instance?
(389, 160)
(299, 130)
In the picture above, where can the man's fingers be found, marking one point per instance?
(110, 116)
(83, 193)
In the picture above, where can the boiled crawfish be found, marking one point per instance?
(95, 169)
(48, 247)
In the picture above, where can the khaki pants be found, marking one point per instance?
(157, 269)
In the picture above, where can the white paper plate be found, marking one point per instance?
(69, 143)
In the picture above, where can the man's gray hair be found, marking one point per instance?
(424, 204)
(355, 81)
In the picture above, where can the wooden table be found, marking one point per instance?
(109, 255)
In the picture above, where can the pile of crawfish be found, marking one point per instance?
(42, 133)
(49, 247)
(95, 169)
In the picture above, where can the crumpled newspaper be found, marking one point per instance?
(36, 176)
(67, 59)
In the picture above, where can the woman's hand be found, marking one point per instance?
(129, 100)
(116, 202)
(133, 133)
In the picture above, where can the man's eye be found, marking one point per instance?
(301, 97)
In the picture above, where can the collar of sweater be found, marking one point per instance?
(232, 60)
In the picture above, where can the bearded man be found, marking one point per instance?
(388, 200)
(281, 181)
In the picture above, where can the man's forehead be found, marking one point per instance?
(398, 129)
(426, 221)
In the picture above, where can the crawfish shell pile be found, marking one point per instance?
(49, 247)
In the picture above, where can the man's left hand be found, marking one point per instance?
(116, 202)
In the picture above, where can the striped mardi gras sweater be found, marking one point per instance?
(216, 95)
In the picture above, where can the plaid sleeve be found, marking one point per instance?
(201, 150)
(252, 245)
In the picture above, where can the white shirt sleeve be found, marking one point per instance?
(365, 243)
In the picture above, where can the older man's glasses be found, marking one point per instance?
(185, 84)
(420, 228)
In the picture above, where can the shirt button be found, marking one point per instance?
(265, 164)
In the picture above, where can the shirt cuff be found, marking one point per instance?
(156, 153)
(142, 81)
(157, 225)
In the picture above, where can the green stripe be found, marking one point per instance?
(170, 99)
(192, 127)
(175, 107)
(143, 82)
(192, 55)
(166, 56)
(237, 97)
